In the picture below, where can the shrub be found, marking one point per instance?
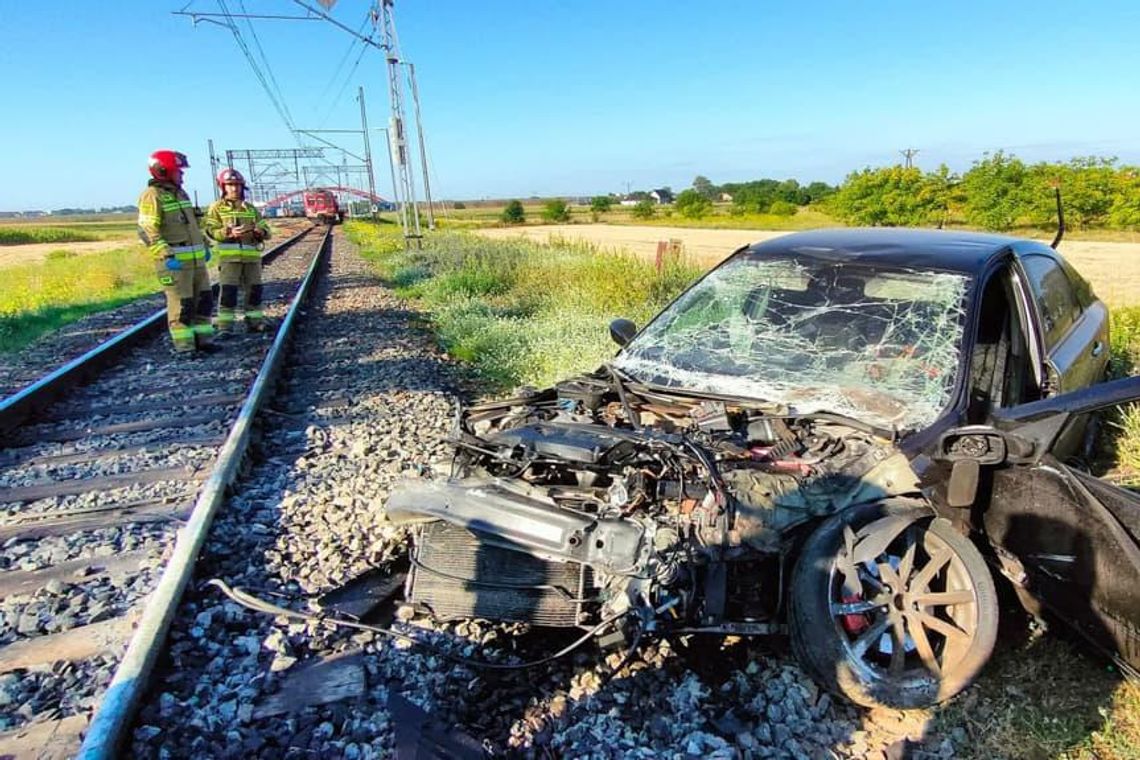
(645, 209)
(556, 211)
(600, 204)
(782, 208)
(459, 205)
(692, 205)
(513, 213)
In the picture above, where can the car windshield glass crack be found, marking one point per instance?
(880, 345)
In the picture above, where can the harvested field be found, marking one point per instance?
(1112, 268)
(34, 253)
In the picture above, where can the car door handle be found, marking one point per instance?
(1098, 348)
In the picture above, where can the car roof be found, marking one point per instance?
(966, 252)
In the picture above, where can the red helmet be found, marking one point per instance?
(164, 162)
(230, 177)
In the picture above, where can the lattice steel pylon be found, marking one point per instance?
(382, 16)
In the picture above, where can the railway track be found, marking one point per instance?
(108, 465)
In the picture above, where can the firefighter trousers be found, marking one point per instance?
(189, 302)
(240, 276)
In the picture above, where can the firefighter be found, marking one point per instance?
(239, 231)
(169, 229)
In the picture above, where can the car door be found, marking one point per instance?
(1074, 324)
(1068, 539)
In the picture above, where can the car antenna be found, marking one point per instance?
(1060, 217)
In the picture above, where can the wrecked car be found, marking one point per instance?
(846, 436)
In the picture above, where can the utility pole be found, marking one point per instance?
(423, 149)
(909, 154)
(214, 168)
(368, 154)
(409, 213)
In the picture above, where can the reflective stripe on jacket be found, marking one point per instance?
(223, 213)
(230, 251)
(166, 220)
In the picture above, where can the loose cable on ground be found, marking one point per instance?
(250, 601)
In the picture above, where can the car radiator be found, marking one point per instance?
(454, 575)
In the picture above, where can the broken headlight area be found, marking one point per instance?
(575, 505)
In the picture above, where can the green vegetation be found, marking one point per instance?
(38, 298)
(555, 211)
(12, 235)
(1046, 698)
(513, 213)
(520, 312)
(891, 197)
(600, 204)
(645, 209)
(692, 205)
(999, 192)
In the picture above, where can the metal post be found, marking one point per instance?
(213, 167)
(391, 166)
(409, 214)
(367, 153)
(423, 150)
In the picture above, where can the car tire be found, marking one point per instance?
(946, 608)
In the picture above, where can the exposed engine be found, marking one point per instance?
(594, 498)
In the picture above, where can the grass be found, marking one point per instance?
(1047, 699)
(520, 312)
(71, 229)
(11, 235)
(38, 298)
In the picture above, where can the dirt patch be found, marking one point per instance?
(34, 253)
(1113, 269)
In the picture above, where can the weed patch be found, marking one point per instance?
(522, 312)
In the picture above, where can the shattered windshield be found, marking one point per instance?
(879, 345)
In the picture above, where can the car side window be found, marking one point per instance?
(1054, 294)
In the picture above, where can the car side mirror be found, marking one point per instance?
(967, 449)
(622, 331)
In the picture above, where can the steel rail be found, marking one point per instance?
(116, 710)
(16, 408)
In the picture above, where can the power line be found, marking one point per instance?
(277, 105)
(909, 154)
(344, 59)
(344, 85)
(265, 60)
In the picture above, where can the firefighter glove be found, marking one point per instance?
(173, 263)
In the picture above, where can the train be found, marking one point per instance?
(321, 206)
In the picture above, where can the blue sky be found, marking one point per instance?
(561, 97)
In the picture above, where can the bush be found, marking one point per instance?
(692, 205)
(513, 213)
(782, 208)
(459, 205)
(645, 209)
(555, 211)
(600, 204)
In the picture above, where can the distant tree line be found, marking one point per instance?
(100, 210)
(999, 192)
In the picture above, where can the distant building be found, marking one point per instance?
(726, 197)
(662, 195)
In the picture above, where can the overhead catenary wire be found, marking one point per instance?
(358, 40)
(278, 105)
(265, 60)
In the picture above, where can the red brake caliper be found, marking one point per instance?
(855, 622)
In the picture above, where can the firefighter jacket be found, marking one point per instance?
(225, 213)
(167, 225)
